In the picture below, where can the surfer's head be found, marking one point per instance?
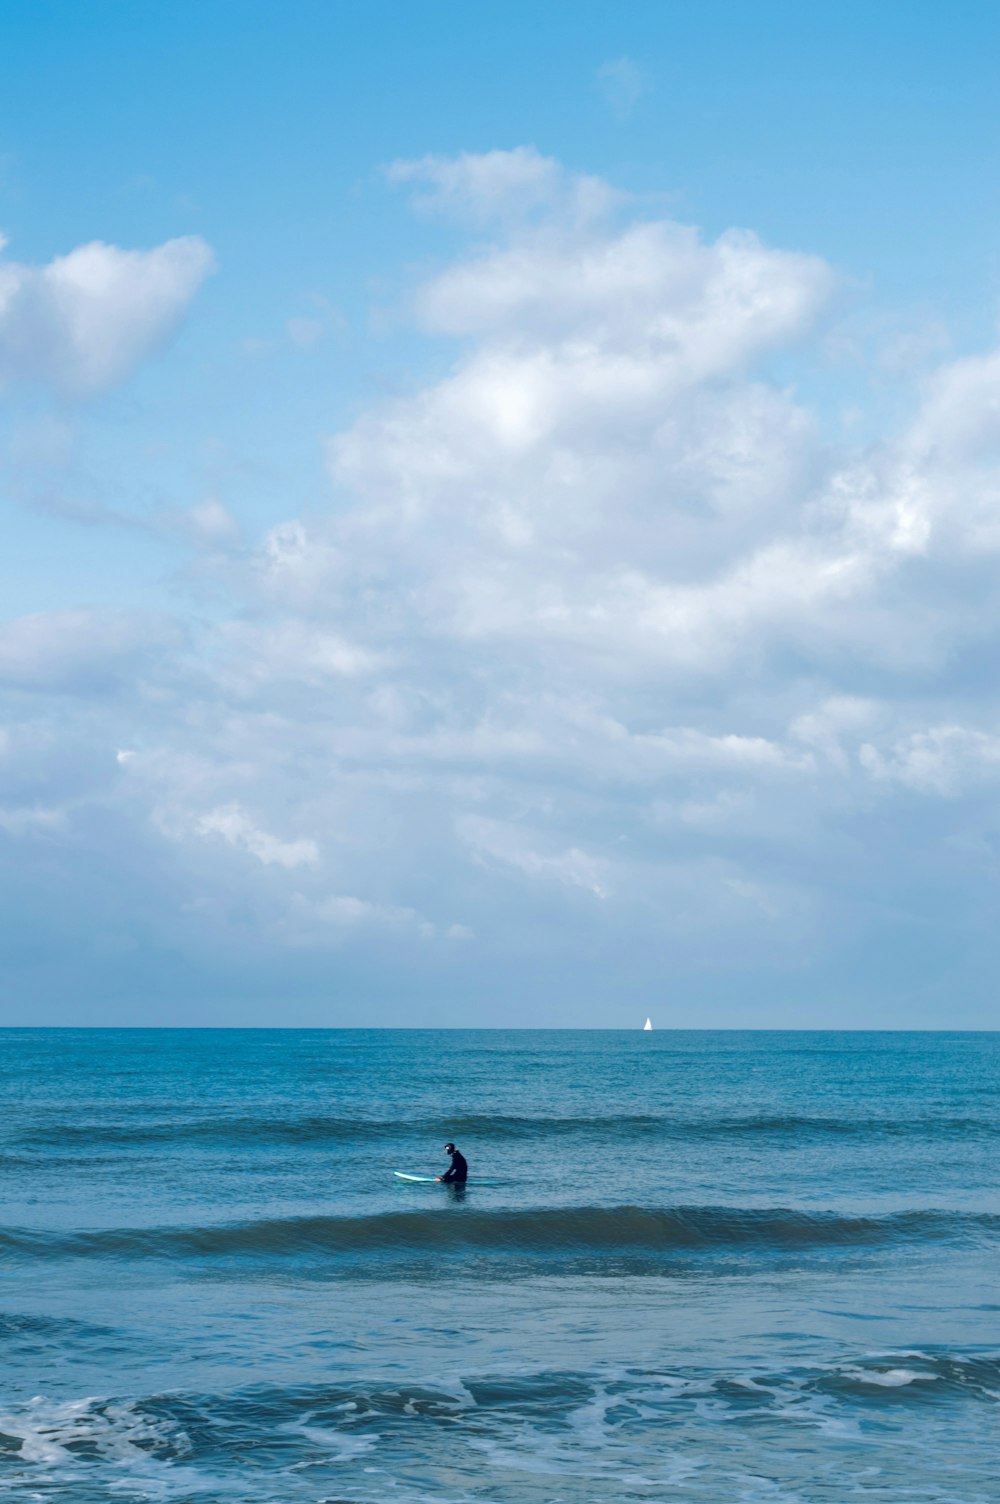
(449, 1148)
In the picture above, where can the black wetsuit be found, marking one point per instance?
(459, 1169)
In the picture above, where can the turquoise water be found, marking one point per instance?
(713, 1267)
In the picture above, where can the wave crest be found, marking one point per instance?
(537, 1233)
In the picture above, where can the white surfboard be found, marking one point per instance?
(433, 1180)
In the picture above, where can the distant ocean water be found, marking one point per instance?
(740, 1267)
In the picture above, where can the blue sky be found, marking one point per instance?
(502, 513)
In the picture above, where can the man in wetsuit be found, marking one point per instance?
(459, 1172)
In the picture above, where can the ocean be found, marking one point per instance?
(730, 1267)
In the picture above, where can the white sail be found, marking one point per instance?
(648, 1024)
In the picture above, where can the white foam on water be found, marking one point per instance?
(451, 1389)
(888, 1378)
(590, 1420)
(610, 1440)
(753, 1385)
(906, 1352)
(762, 1437)
(338, 1446)
(124, 1450)
(536, 1459)
(675, 1468)
(815, 1411)
(115, 1430)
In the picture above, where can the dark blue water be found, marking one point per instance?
(714, 1267)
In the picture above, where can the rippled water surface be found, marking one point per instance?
(709, 1267)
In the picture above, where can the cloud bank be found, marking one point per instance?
(612, 671)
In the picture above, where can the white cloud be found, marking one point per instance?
(234, 826)
(82, 322)
(288, 652)
(723, 811)
(960, 416)
(82, 651)
(827, 727)
(593, 464)
(500, 185)
(296, 567)
(335, 917)
(603, 611)
(211, 523)
(650, 292)
(506, 846)
(943, 760)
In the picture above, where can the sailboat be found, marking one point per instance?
(648, 1024)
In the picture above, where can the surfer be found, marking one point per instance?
(459, 1172)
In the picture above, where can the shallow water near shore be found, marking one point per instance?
(714, 1266)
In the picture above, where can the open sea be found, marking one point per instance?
(732, 1268)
